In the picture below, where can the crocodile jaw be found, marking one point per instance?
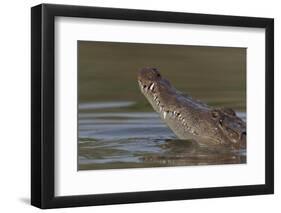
(165, 100)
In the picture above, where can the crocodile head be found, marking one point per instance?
(189, 118)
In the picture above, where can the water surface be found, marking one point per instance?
(110, 140)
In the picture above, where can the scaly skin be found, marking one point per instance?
(189, 118)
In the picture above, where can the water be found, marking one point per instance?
(111, 140)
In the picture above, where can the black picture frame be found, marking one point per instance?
(43, 102)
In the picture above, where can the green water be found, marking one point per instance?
(117, 126)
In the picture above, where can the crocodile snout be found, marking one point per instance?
(149, 74)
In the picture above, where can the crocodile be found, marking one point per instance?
(189, 118)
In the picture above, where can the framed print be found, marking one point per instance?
(139, 106)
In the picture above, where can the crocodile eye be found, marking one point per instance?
(215, 113)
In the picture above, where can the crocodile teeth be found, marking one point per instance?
(151, 86)
(164, 115)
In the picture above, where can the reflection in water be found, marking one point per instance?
(140, 139)
(184, 152)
